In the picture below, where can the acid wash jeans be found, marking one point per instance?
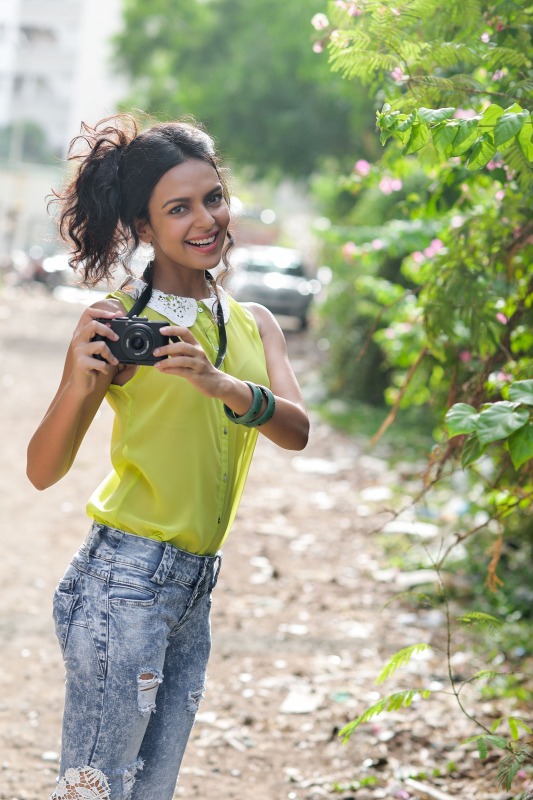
(132, 619)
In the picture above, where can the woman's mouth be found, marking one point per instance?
(207, 243)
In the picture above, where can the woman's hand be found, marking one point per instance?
(89, 357)
(84, 382)
(186, 358)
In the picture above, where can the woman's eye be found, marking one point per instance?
(215, 198)
(177, 210)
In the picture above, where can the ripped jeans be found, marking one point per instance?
(132, 619)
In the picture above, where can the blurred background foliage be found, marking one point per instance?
(248, 72)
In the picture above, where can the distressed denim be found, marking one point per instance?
(132, 617)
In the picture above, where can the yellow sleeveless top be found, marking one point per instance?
(179, 465)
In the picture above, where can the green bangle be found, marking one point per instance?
(253, 411)
(268, 413)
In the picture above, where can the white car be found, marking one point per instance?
(275, 277)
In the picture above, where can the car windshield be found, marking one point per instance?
(285, 266)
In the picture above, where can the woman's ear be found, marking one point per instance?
(144, 231)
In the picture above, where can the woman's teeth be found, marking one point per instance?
(202, 242)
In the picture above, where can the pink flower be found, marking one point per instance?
(464, 113)
(377, 244)
(354, 11)
(501, 318)
(485, 37)
(362, 167)
(433, 248)
(349, 250)
(389, 185)
(318, 47)
(498, 75)
(418, 257)
(396, 12)
(397, 74)
(465, 356)
(504, 377)
(320, 22)
(499, 195)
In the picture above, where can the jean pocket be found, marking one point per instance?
(63, 606)
(127, 594)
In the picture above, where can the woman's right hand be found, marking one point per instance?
(90, 357)
(86, 378)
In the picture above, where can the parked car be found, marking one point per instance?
(275, 277)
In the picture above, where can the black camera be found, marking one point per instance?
(138, 338)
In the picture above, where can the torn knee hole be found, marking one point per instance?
(81, 783)
(147, 686)
(195, 698)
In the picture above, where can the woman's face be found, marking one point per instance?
(189, 217)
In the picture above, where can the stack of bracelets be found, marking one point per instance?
(253, 418)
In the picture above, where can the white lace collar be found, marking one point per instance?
(179, 310)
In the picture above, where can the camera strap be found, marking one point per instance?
(144, 298)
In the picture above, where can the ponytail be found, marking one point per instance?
(90, 207)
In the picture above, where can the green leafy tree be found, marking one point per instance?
(441, 282)
(246, 70)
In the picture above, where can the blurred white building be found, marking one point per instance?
(55, 65)
(55, 71)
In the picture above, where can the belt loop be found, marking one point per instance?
(165, 565)
(217, 563)
(85, 549)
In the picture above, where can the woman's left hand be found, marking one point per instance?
(187, 359)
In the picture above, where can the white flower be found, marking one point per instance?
(319, 22)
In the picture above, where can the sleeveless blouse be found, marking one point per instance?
(179, 465)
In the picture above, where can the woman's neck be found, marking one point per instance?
(191, 284)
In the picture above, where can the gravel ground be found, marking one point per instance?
(299, 620)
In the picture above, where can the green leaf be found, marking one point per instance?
(522, 392)
(500, 420)
(482, 152)
(472, 450)
(466, 136)
(444, 135)
(521, 445)
(420, 136)
(497, 741)
(406, 123)
(525, 141)
(461, 418)
(431, 115)
(491, 115)
(508, 769)
(508, 126)
(482, 749)
(493, 624)
(513, 727)
(392, 702)
(399, 659)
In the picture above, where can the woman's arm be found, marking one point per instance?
(83, 385)
(289, 427)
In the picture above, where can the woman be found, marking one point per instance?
(132, 609)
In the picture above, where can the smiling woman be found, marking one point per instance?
(132, 611)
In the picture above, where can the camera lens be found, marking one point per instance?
(138, 341)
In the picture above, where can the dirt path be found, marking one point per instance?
(299, 627)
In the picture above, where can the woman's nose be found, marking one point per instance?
(203, 217)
